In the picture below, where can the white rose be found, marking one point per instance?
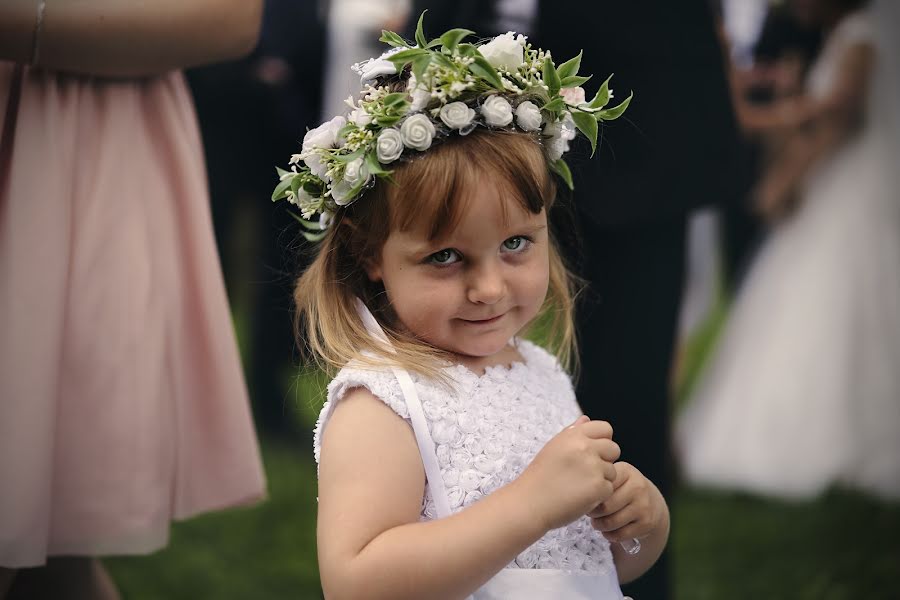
(506, 52)
(497, 111)
(417, 132)
(325, 219)
(456, 115)
(356, 172)
(340, 192)
(573, 96)
(389, 146)
(528, 116)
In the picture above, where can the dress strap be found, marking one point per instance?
(416, 416)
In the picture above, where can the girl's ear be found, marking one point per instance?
(373, 269)
(371, 265)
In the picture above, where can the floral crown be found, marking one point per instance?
(452, 88)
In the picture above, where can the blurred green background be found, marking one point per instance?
(724, 546)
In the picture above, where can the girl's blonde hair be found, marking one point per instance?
(429, 191)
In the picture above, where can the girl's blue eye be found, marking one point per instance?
(515, 244)
(444, 257)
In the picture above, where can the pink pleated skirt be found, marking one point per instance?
(122, 400)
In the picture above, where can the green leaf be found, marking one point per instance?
(281, 172)
(443, 61)
(348, 158)
(387, 121)
(611, 114)
(562, 169)
(452, 38)
(395, 99)
(374, 166)
(281, 189)
(482, 68)
(551, 77)
(392, 39)
(570, 67)
(314, 237)
(404, 57)
(555, 105)
(467, 50)
(346, 129)
(420, 64)
(420, 34)
(586, 124)
(573, 81)
(602, 96)
(307, 224)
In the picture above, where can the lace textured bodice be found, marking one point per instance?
(486, 431)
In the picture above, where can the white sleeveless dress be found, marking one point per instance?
(481, 437)
(804, 389)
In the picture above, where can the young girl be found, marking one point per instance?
(453, 457)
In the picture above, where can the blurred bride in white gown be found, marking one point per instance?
(803, 391)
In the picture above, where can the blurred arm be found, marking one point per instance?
(824, 126)
(120, 38)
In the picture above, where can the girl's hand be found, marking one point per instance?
(634, 510)
(572, 473)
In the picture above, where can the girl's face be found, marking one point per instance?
(472, 290)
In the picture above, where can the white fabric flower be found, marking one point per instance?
(325, 136)
(506, 52)
(374, 68)
(340, 193)
(417, 132)
(573, 96)
(456, 115)
(316, 166)
(497, 111)
(560, 133)
(356, 172)
(419, 94)
(389, 146)
(360, 117)
(528, 116)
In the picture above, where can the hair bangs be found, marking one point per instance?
(432, 192)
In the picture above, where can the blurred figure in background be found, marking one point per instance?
(804, 391)
(123, 402)
(252, 113)
(632, 199)
(354, 27)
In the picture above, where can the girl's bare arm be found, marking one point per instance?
(129, 38)
(371, 480)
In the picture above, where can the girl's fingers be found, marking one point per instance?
(619, 500)
(597, 429)
(615, 521)
(634, 530)
(609, 451)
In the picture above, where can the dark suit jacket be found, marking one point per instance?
(675, 147)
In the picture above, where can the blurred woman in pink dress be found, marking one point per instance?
(123, 400)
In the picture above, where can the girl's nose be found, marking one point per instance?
(486, 286)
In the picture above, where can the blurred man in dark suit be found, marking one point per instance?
(673, 151)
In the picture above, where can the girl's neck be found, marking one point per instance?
(477, 364)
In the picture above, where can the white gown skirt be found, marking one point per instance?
(803, 390)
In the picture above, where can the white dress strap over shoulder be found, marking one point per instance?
(416, 416)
